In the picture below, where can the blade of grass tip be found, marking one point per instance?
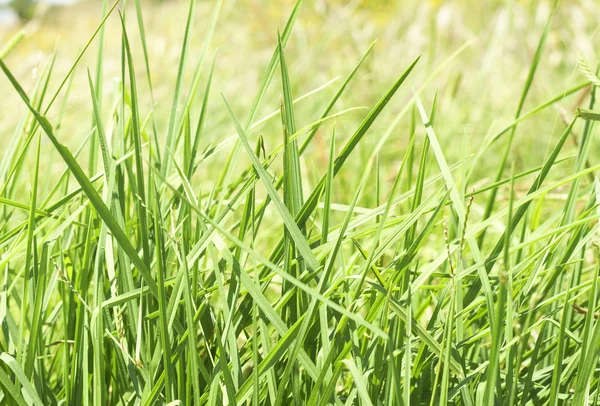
(193, 88)
(137, 142)
(440, 68)
(289, 222)
(419, 186)
(80, 55)
(38, 95)
(266, 80)
(73, 66)
(200, 124)
(309, 128)
(142, 31)
(86, 186)
(273, 63)
(66, 367)
(328, 187)
(335, 98)
(247, 220)
(211, 150)
(292, 173)
(12, 44)
(517, 176)
(104, 148)
(64, 105)
(550, 102)
(412, 133)
(312, 201)
(187, 149)
(418, 193)
(169, 145)
(371, 117)
(98, 92)
(100, 57)
(534, 65)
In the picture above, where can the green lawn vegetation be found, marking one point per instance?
(235, 203)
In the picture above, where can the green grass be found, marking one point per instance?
(331, 230)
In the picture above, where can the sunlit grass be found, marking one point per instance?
(178, 225)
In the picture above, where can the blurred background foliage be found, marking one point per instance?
(477, 92)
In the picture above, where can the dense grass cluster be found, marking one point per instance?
(286, 258)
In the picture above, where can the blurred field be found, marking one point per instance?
(478, 91)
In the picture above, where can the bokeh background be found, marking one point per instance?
(478, 90)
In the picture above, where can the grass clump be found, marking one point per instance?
(215, 255)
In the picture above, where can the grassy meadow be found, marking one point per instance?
(301, 203)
